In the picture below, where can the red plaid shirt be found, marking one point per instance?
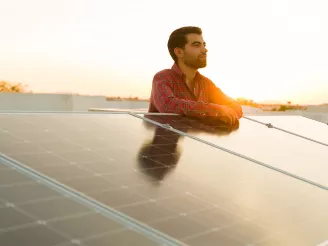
(170, 94)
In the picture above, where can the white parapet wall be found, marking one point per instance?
(322, 117)
(60, 102)
(35, 102)
(318, 108)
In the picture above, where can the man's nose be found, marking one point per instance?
(204, 49)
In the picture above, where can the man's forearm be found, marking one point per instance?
(220, 98)
(176, 105)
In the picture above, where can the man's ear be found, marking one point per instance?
(178, 52)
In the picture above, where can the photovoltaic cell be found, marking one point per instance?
(275, 148)
(182, 187)
(34, 214)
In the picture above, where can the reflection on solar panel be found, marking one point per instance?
(171, 187)
(276, 149)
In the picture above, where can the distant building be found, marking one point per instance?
(251, 110)
(323, 108)
(270, 107)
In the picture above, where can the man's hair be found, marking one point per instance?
(178, 38)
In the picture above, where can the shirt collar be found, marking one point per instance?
(177, 70)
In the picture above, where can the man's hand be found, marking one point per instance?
(225, 114)
(228, 115)
(238, 109)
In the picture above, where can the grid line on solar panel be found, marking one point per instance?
(45, 151)
(34, 201)
(73, 162)
(51, 222)
(225, 227)
(31, 219)
(86, 237)
(84, 178)
(295, 205)
(220, 229)
(165, 219)
(48, 220)
(95, 174)
(37, 219)
(14, 187)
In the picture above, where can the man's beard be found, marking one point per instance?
(195, 63)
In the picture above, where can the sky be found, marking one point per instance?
(264, 50)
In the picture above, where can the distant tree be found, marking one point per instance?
(282, 108)
(9, 87)
(244, 101)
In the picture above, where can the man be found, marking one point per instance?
(182, 89)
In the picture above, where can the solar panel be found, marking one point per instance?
(267, 146)
(181, 187)
(33, 213)
(302, 126)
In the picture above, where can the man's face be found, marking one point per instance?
(194, 54)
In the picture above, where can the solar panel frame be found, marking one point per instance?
(275, 126)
